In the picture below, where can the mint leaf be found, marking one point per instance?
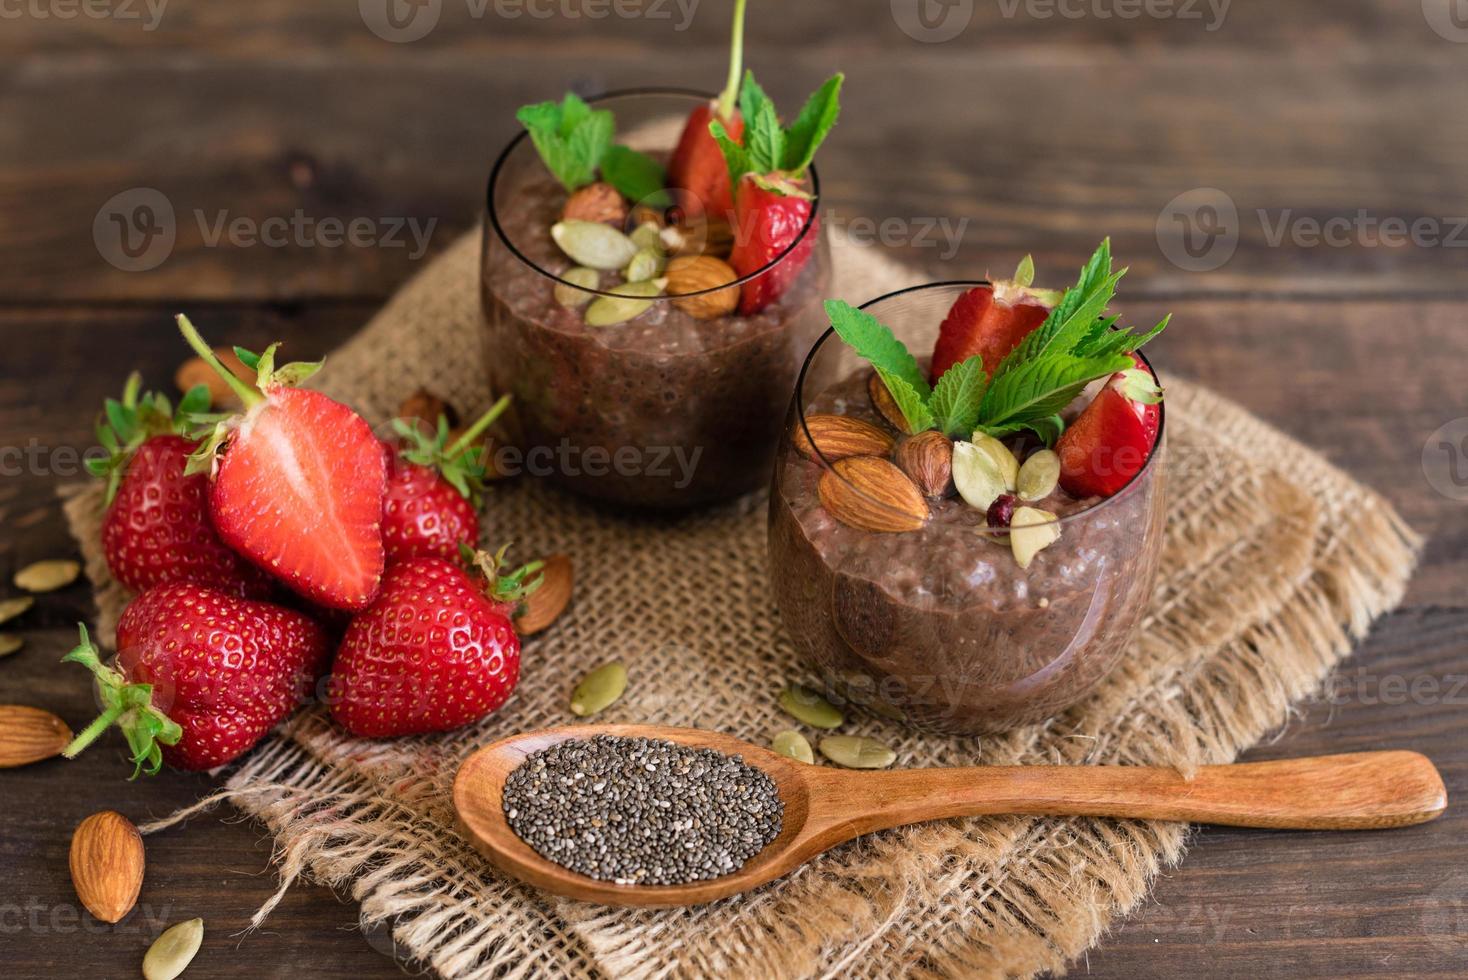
(1040, 388)
(957, 397)
(909, 401)
(816, 118)
(870, 338)
(570, 137)
(1074, 317)
(735, 156)
(764, 139)
(640, 178)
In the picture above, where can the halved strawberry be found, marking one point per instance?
(1109, 443)
(697, 166)
(297, 482)
(990, 321)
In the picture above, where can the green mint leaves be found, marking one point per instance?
(639, 177)
(1075, 346)
(769, 147)
(571, 137)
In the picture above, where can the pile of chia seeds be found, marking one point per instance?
(642, 811)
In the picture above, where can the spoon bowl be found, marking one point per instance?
(826, 806)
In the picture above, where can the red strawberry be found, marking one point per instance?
(156, 529)
(201, 675)
(1109, 443)
(770, 214)
(433, 653)
(299, 483)
(990, 321)
(697, 166)
(432, 489)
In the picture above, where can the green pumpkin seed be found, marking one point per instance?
(1039, 476)
(1003, 459)
(646, 264)
(11, 608)
(593, 244)
(976, 476)
(48, 576)
(632, 299)
(10, 643)
(599, 689)
(806, 705)
(793, 744)
(648, 236)
(569, 296)
(855, 752)
(172, 952)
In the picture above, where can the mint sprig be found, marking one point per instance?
(637, 176)
(570, 136)
(770, 148)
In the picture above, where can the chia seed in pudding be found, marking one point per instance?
(664, 410)
(641, 811)
(940, 626)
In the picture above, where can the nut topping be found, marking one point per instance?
(840, 436)
(886, 405)
(596, 202)
(696, 273)
(928, 458)
(872, 494)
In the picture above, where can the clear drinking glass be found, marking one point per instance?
(664, 411)
(940, 627)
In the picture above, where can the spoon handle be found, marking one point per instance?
(1361, 790)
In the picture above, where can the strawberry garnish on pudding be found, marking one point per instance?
(697, 166)
(1110, 441)
(990, 321)
(297, 482)
(773, 202)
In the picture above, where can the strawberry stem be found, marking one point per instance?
(477, 429)
(127, 705)
(736, 64)
(247, 395)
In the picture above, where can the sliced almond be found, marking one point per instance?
(172, 952)
(872, 494)
(840, 436)
(593, 244)
(1031, 531)
(29, 735)
(545, 605)
(1003, 459)
(107, 864)
(48, 576)
(1038, 476)
(928, 458)
(11, 608)
(977, 475)
(886, 405)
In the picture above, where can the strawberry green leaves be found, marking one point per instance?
(128, 422)
(571, 137)
(770, 148)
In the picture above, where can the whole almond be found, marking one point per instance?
(596, 202)
(696, 273)
(546, 603)
(107, 864)
(29, 735)
(196, 371)
(840, 436)
(871, 494)
(424, 406)
(928, 458)
(886, 405)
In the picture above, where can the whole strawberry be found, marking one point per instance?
(436, 651)
(433, 488)
(156, 529)
(201, 675)
(296, 483)
(697, 165)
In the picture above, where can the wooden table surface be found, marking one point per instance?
(1335, 131)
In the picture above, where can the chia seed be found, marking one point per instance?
(642, 811)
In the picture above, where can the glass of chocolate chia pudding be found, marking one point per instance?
(667, 398)
(910, 599)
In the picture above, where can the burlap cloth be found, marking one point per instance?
(1275, 561)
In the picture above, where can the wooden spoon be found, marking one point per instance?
(826, 806)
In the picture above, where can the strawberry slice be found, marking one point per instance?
(697, 166)
(769, 215)
(299, 484)
(1110, 442)
(990, 321)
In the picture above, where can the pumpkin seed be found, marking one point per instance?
(10, 643)
(1031, 531)
(647, 236)
(856, 752)
(1003, 459)
(48, 576)
(569, 296)
(976, 475)
(1039, 475)
(631, 300)
(593, 244)
(599, 689)
(173, 951)
(646, 264)
(805, 705)
(793, 744)
(11, 608)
